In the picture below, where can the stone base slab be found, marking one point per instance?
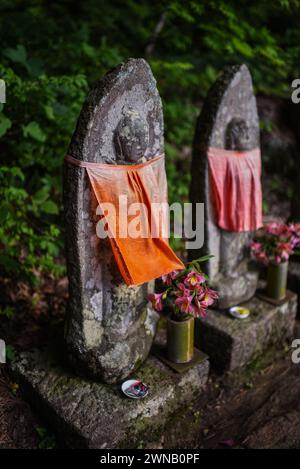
(262, 295)
(232, 343)
(88, 414)
(161, 353)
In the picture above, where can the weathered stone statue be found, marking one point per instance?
(228, 121)
(109, 327)
(294, 115)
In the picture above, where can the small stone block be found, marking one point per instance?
(232, 343)
(263, 296)
(89, 414)
(160, 352)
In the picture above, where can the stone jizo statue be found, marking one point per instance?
(228, 122)
(109, 328)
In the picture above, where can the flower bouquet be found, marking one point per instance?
(273, 245)
(184, 295)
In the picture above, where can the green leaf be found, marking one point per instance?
(10, 353)
(50, 207)
(5, 124)
(8, 263)
(41, 195)
(202, 259)
(47, 440)
(8, 311)
(41, 431)
(17, 172)
(49, 112)
(242, 47)
(33, 130)
(35, 66)
(89, 50)
(18, 54)
(4, 213)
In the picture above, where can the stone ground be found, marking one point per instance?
(258, 407)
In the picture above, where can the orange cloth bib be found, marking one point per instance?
(236, 188)
(140, 259)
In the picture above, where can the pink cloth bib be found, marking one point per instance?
(236, 188)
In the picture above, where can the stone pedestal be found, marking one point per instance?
(88, 414)
(232, 343)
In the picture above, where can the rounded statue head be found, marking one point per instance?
(238, 135)
(132, 137)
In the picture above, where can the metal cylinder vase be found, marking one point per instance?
(180, 340)
(277, 280)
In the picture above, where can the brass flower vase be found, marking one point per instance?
(277, 280)
(180, 340)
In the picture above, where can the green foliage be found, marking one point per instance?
(46, 439)
(7, 311)
(35, 126)
(52, 51)
(10, 353)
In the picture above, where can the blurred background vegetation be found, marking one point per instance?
(51, 52)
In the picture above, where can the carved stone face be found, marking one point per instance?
(132, 137)
(238, 135)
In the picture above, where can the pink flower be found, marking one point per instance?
(156, 301)
(295, 239)
(295, 228)
(182, 290)
(277, 229)
(168, 279)
(285, 250)
(213, 293)
(204, 301)
(258, 251)
(185, 305)
(262, 257)
(209, 299)
(271, 228)
(194, 278)
(200, 311)
(255, 246)
(295, 242)
(200, 291)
